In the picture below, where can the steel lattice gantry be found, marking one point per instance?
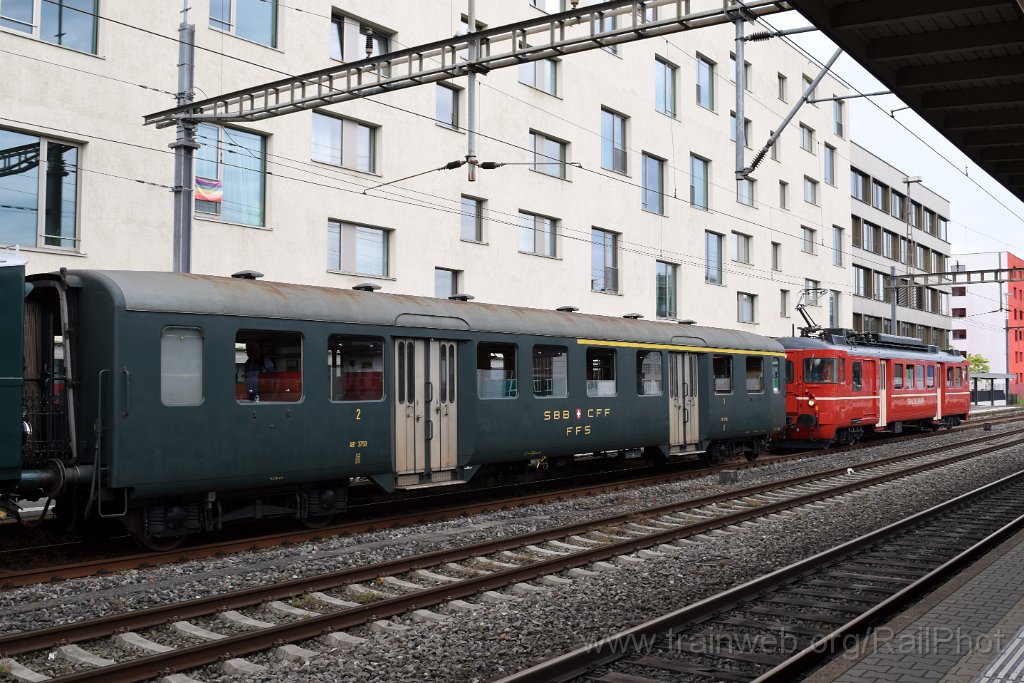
(554, 35)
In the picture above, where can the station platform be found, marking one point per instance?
(971, 630)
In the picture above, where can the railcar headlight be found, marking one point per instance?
(811, 402)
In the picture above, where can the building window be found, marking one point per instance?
(807, 239)
(833, 308)
(784, 303)
(837, 246)
(776, 256)
(548, 155)
(959, 334)
(837, 117)
(70, 23)
(812, 287)
(613, 141)
(496, 370)
(878, 290)
(807, 82)
(666, 290)
(733, 74)
(879, 196)
(810, 191)
(745, 191)
(664, 87)
(959, 312)
(929, 222)
(858, 185)
(348, 40)
(745, 307)
(601, 372)
(653, 184)
(39, 192)
(713, 258)
(181, 366)
(230, 169)
(958, 291)
(538, 234)
(915, 214)
(830, 165)
(698, 182)
(741, 247)
(608, 24)
(747, 130)
(447, 109)
(254, 20)
(783, 86)
(541, 74)
(344, 142)
(806, 138)
(773, 151)
(446, 282)
(604, 261)
(471, 212)
(896, 205)
(861, 281)
(943, 228)
(783, 194)
(359, 249)
(705, 83)
(550, 371)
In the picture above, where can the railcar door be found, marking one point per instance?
(683, 421)
(883, 392)
(410, 407)
(426, 445)
(443, 441)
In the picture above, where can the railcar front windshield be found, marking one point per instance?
(821, 370)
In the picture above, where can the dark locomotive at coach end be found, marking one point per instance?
(176, 403)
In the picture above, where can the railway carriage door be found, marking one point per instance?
(883, 392)
(410, 407)
(443, 408)
(683, 421)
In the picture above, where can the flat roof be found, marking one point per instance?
(958, 63)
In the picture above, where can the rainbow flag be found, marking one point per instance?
(209, 190)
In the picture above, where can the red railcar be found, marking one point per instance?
(841, 384)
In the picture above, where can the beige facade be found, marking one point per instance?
(897, 223)
(297, 203)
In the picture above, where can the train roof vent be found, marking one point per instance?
(633, 316)
(567, 309)
(688, 321)
(461, 297)
(247, 275)
(366, 287)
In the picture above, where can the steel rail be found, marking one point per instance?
(206, 653)
(579, 661)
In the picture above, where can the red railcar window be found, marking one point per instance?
(897, 377)
(949, 378)
(908, 381)
(931, 377)
(857, 379)
(821, 370)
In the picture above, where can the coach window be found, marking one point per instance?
(550, 371)
(268, 366)
(908, 381)
(496, 370)
(356, 366)
(722, 367)
(775, 376)
(600, 372)
(897, 377)
(648, 373)
(181, 366)
(820, 370)
(931, 377)
(755, 375)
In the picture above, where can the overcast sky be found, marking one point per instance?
(985, 216)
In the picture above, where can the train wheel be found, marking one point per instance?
(158, 544)
(317, 522)
(713, 455)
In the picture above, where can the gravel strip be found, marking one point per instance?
(501, 638)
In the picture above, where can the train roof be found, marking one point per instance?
(225, 296)
(879, 351)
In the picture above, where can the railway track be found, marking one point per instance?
(428, 509)
(370, 594)
(783, 625)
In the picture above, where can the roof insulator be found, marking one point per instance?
(633, 316)
(461, 297)
(567, 309)
(247, 275)
(687, 322)
(366, 287)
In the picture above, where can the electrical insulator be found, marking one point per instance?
(759, 36)
(369, 45)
